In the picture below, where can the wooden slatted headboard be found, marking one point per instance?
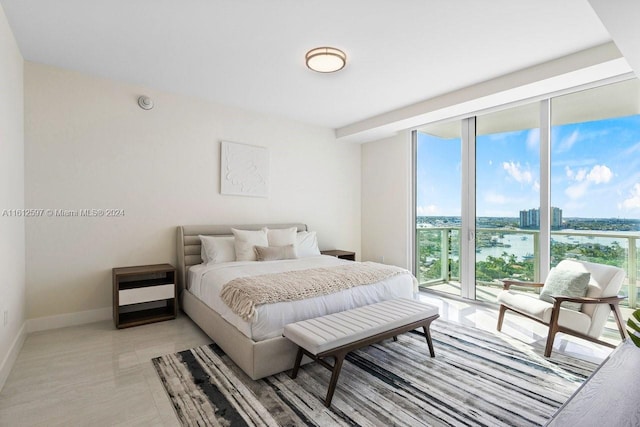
(188, 243)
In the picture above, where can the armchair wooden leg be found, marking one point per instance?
(549, 347)
(503, 309)
(553, 330)
(618, 316)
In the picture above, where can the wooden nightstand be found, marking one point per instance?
(144, 294)
(348, 255)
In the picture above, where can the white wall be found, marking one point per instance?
(12, 229)
(386, 201)
(89, 145)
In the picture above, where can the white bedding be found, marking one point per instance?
(206, 282)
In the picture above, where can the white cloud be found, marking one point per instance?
(633, 201)
(576, 191)
(536, 186)
(568, 142)
(517, 172)
(427, 210)
(600, 174)
(575, 162)
(631, 150)
(584, 178)
(569, 172)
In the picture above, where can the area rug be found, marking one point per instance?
(476, 379)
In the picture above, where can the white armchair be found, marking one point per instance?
(588, 323)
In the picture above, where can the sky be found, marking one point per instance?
(595, 171)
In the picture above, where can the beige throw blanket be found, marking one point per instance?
(243, 294)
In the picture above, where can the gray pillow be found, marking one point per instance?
(566, 283)
(272, 253)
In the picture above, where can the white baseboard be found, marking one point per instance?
(68, 319)
(12, 355)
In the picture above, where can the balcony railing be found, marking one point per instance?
(502, 253)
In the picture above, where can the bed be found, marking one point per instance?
(257, 349)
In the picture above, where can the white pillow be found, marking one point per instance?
(216, 249)
(307, 244)
(273, 253)
(245, 240)
(282, 236)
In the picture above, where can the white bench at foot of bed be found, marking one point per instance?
(335, 335)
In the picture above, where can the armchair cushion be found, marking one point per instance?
(569, 283)
(541, 310)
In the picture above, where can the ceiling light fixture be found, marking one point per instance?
(326, 59)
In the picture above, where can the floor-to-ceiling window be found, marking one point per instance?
(595, 177)
(588, 206)
(507, 197)
(438, 209)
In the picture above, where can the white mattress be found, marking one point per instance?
(206, 282)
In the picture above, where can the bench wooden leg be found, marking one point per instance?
(296, 366)
(395, 338)
(337, 366)
(427, 334)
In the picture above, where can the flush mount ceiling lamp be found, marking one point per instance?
(326, 59)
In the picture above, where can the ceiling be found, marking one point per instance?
(250, 53)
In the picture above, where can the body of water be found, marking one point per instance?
(521, 244)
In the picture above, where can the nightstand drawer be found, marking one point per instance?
(146, 294)
(348, 255)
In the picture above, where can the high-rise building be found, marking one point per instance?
(531, 218)
(556, 218)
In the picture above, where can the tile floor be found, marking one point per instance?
(95, 375)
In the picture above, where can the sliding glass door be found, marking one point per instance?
(438, 209)
(512, 192)
(507, 197)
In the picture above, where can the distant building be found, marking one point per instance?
(556, 218)
(531, 218)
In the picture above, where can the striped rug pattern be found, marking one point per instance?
(476, 379)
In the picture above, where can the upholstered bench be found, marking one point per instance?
(335, 335)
